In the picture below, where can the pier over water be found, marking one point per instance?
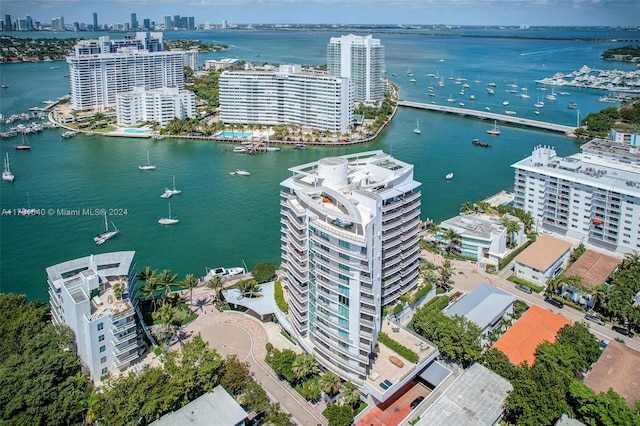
(490, 115)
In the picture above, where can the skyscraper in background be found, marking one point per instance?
(7, 23)
(146, 24)
(57, 24)
(95, 21)
(191, 23)
(176, 21)
(167, 23)
(134, 22)
(361, 59)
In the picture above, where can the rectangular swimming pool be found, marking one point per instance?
(227, 134)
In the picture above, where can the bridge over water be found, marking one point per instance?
(490, 115)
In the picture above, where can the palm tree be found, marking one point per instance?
(215, 284)
(189, 283)
(329, 383)
(446, 271)
(632, 260)
(512, 227)
(166, 279)
(304, 366)
(350, 394)
(452, 238)
(165, 316)
(468, 207)
(150, 288)
(249, 288)
(146, 273)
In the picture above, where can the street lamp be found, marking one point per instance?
(578, 118)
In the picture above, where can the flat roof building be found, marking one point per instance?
(286, 96)
(95, 296)
(157, 105)
(593, 195)
(350, 232)
(486, 305)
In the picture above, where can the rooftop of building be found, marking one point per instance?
(593, 267)
(475, 398)
(619, 368)
(535, 326)
(385, 367)
(476, 225)
(598, 165)
(482, 305)
(213, 408)
(543, 253)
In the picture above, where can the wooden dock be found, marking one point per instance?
(490, 116)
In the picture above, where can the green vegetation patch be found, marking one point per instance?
(401, 350)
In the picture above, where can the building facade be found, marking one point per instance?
(349, 229)
(157, 105)
(102, 68)
(543, 260)
(362, 59)
(593, 195)
(286, 96)
(95, 296)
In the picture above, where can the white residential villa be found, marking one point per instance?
(543, 260)
(286, 96)
(93, 295)
(350, 228)
(361, 59)
(157, 105)
(483, 238)
(592, 196)
(101, 69)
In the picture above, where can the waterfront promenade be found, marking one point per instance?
(490, 115)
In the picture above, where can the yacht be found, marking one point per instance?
(168, 193)
(505, 103)
(490, 91)
(450, 99)
(106, 235)
(417, 130)
(300, 146)
(240, 150)
(472, 97)
(242, 172)
(551, 96)
(572, 105)
(68, 134)
(495, 131)
(449, 176)
(510, 112)
(6, 172)
(168, 220)
(147, 166)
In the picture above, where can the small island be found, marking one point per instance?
(17, 49)
(194, 45)
(628, 53)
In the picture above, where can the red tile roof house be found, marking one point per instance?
(542, 260)
(535, 326)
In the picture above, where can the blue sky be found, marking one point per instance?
(426, 12)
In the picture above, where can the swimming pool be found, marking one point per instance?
(235, 134)
(138, 131)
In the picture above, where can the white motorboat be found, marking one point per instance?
(147, 166)
(510, 112)
(6, 172)
(234, 271)
(69, 134)
(449, 176)
(242, 172)
(169, 220)
(495, 131)
(168, 193)
(505, 103)
(106, 234)
(240, 150)
(551, 96)
(417, 130)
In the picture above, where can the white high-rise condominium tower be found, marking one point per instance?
(362, 60)
(593, 196)
(95, 296)
(349, 229)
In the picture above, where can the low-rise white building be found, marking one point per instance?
(224, 63)
(286, 96)
(95, 296)
(483, 237)
(157, 105)
(542, 260)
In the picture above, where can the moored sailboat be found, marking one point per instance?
(6, 172)
(106, 234)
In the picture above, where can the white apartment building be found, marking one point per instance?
(592, 196)
(362, 59)
(100, 69)
(83, 294)
(157, 105)
(286, 96)
(349, 228)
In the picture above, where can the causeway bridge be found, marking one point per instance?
(490, 116)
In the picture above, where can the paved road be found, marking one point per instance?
(232, 332)
(467, 276)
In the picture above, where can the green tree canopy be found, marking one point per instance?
(264, 272)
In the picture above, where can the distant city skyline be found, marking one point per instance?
(392, 12)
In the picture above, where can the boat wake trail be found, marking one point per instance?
(544, 52)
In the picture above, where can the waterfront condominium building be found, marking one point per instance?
(157, 105)
(286, 96)
(100, 69)
(349, 232)
(592, 196)
(362, 60)
(94, 296)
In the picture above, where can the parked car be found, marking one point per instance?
(593, 318)
(622, 331)
(523, 288)
(555, 302)
(416, 402)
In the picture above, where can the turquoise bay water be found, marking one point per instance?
(226, 219)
